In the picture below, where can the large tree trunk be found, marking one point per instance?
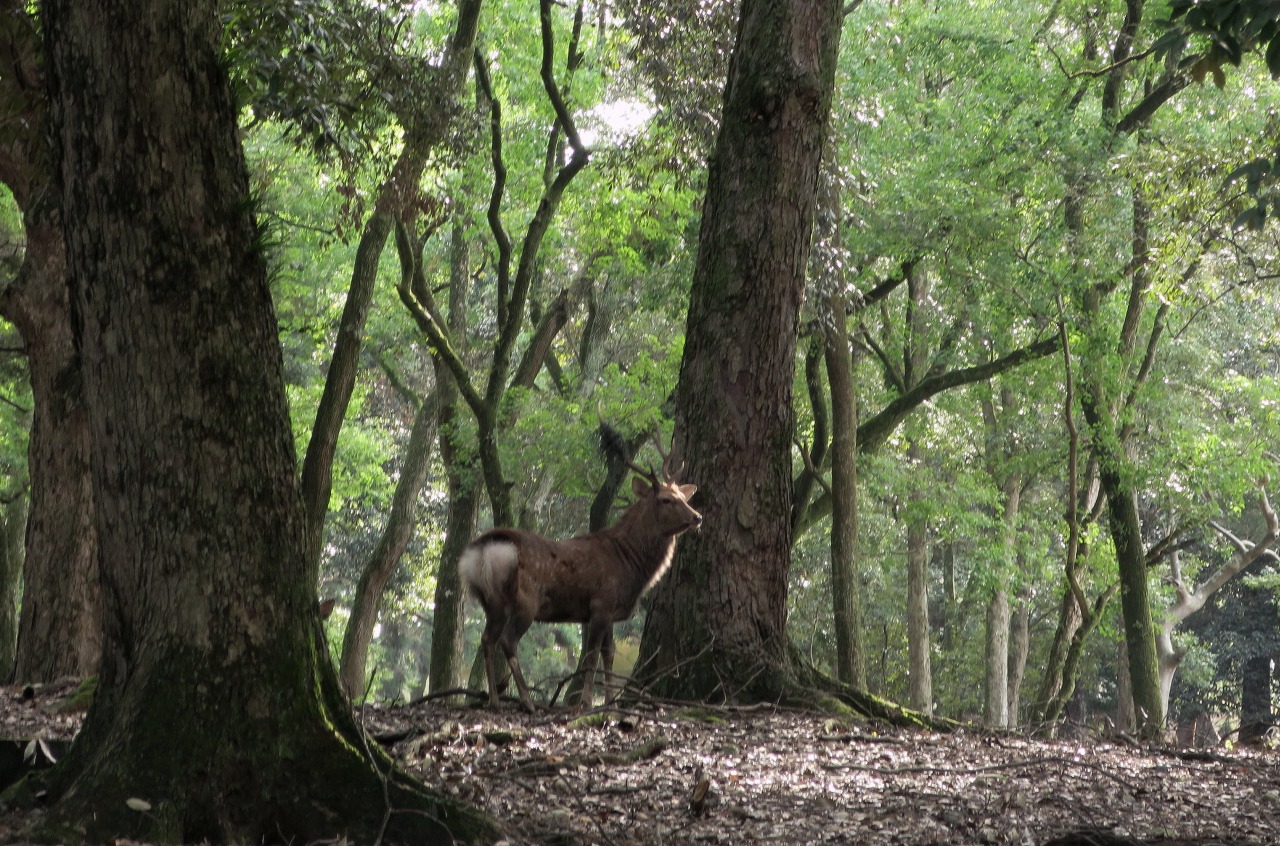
(216, 703)
(717, 626)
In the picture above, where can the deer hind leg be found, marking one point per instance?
(493, 628)
(516, 626)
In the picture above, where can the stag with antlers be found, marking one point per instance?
(597, 579)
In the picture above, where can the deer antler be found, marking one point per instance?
(667, 475)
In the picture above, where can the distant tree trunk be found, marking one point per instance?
(60, 630)
(996, 711)
(1052, 682)
(463, 480)
(397, 194)
(12, 534)
(1256, 712)
(1019, 648)
(999, 618)
(386, 555)
(1126, 719)
(216, 702)
(919, 648)
(717, 626)
(837, 354)
(61, 619)
(846, 590)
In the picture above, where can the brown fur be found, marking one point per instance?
(519, 577)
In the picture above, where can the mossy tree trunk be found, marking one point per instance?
(717, 625)
(216, 703)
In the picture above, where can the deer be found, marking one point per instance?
(520, 577)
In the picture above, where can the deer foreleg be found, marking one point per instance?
(598, 631)
(606, 660)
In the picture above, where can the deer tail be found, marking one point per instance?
(487, 569)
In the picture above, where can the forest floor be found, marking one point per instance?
(665, 774)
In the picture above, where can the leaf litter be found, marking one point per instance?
(657, 774)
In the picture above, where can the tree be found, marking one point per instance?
(61, 618)
(216, 703)
(716, 628)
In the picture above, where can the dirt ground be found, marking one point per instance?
(665, 774)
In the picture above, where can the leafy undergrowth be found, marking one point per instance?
(660, 774)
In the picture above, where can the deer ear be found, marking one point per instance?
(639, 486)
(688, 490)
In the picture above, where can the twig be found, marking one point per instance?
(1010, 765)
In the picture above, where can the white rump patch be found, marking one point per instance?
(486, 567)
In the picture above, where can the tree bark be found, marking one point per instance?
(996, 710)
(1019, 648)
(717, 625)
(216, 702)
(386, 555)
(1256, 712)
(1054, 678)
(846, 588)
(919, 648)
(423, 130)
(463, 480)
(60, 623)
(12, 534)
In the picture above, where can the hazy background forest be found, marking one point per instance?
(976, 208)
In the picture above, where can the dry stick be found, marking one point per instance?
(1010, 765)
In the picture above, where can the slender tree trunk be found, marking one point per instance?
(12, 534)
(1126, 535)
(450, 598)
(996, 711)
(1055, 676)
(717, 625)
(1019, 648)
(386, 555)
(919, 648)
(1256, 712)
(395, 196)
(216, 702)
(846, 590)
(999, 616)
(837, 354)
(464, 484)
